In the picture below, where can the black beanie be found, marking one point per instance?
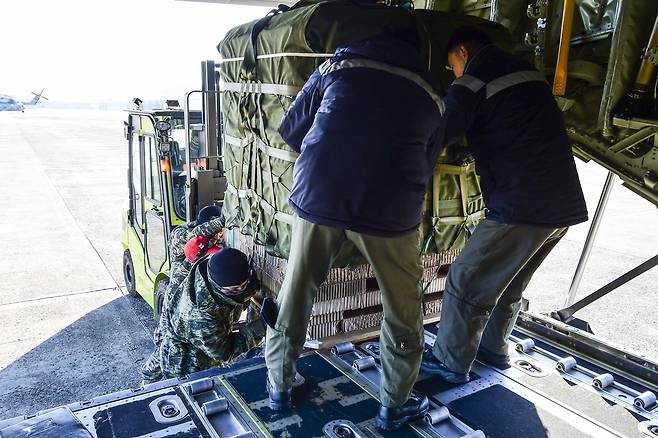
(228, 267)
(208, 213)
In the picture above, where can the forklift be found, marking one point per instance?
(159, 181)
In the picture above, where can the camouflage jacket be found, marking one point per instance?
(199, 329)
(179, 267)
(183, 233)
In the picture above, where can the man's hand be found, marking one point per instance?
(218, 238)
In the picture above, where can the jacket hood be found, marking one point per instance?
(387, 49)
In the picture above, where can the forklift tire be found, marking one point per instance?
(159, 298)
(129, 274)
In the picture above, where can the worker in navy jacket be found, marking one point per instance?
(367, 127)
(531, 190)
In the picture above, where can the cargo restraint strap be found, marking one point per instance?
(249, 193)
(499, 84)
(260, 88)
(329, 67)
(281, 55)
(462, 172)
(270, 150)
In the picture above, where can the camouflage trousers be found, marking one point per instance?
(171, 358)
(484, 288)
(396, 262)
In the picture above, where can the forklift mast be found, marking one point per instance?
(206, 182)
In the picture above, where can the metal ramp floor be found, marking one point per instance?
(545, 393)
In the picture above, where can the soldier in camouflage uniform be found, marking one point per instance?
(200, 321)
(209, 223)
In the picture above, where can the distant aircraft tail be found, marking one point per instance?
(36, 98)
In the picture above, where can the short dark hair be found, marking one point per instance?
(468, 36)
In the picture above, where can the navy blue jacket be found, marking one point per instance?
(517, 136)
(367, 126)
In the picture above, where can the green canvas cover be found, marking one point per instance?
(259, 82)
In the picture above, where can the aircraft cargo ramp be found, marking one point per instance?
(547, 392)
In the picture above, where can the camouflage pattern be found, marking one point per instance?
(179, 267)
(183, 233)
(199, 330)
(178, 272)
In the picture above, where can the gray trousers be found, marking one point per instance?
(396, 262)
(485, 284)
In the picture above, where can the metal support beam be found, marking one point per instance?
(637, 137)
(567, 313)
(589, 241)
(210, 113)
(188, 158)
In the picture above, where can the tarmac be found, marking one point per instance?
(69, 331)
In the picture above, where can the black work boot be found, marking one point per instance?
(279, 400)
(431, 365)
(500, 361)
(394, 418)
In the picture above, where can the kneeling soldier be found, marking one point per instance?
(200, 322)
(209, 225)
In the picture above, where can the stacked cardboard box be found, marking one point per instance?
(350, 298)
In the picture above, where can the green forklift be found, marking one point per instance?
(163, 190)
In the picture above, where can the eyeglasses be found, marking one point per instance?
(449, 67)
(232, 290)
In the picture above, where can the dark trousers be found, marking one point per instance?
(484, 288)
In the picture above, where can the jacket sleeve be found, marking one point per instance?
(462, 102)
(298, 119)
(208, 229)
(177, 240)
(183, 233)
(217, 339)
(435, 146)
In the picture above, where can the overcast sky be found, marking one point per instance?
(96, 50)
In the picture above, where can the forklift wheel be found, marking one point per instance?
(159, 298)
(129, 274)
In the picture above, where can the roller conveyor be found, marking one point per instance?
(549, 391)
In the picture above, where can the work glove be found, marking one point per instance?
(269, 312)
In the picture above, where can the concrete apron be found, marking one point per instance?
(67, 331)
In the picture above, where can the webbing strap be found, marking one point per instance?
(462, 171)
(458, 220)
(381, 66)
(452, 169)
(280, 55)
(260, 88)
(273, 152)
(249, 193)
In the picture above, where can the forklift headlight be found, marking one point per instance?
(162, 126)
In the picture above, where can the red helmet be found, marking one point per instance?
(198, 247)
